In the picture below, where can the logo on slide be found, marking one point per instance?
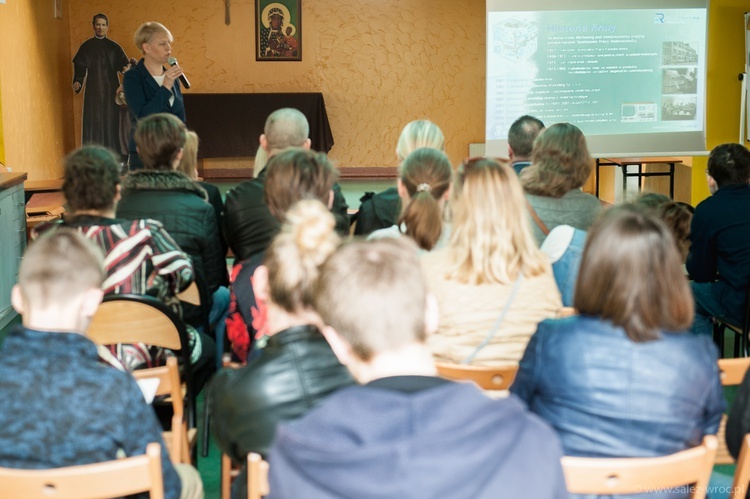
(659, 18)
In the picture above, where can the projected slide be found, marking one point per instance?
(608, 71)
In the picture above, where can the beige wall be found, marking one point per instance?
(378, 63)
(35, 87)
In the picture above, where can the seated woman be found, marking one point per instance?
(140, 256)
(159, 192)
(560, 165)
(423, 186)
(292, 175)
(492, 283)
(381, 211)
(296, 369)
(625, 378)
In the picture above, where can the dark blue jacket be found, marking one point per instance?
(62, 407)
(146, 97)
(720, 246)
(395, 438)
(608, 396)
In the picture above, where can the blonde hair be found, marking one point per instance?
(491, 240)
(146, 32)
(560, 162)
(374, 295)
(419, 134)
(426, 175)
(58, 267)
(189, 162)
(306, 239)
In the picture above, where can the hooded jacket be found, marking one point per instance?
(181, 206)
(446, 440)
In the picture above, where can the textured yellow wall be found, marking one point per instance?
(36, 93)
(378, 63)
(2, 142)
(726, 55)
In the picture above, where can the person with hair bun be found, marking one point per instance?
(381, 211)
(625, 378)
(296, 369)
(492, 283)
(292, 175)
(424, 187)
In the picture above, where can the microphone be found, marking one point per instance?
(183, 78)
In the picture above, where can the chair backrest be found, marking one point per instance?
(732, 371)
(191, 295)
(116, 478)
(257, 476)
(586, 475)
(742, 471)
(143, 319)
(487, 377)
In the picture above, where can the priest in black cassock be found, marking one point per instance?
(98, 61)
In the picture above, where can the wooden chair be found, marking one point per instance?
(116, 478)
(732, 372)
(142, 319)
(180, 440)
(487, 377)
(742, 472)
(257, 476)
(586, 475)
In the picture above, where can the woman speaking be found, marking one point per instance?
(149, 86)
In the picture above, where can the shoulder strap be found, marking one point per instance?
(536, 218)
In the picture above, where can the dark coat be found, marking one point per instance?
(146, 97)
(377, 211)
(295, 371)
(249, 225)
(181, 206)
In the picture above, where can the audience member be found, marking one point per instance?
(560, 166)
(404, 433)
(623, 378)
(381, 211)
(248, 225)
(160, 192)
(564, 247)
(140, 256)
(676, 215)
(61, 406)
(719, 259)
(297, 361)
(738, 421)
(521, 138)
(149, 86)
(292, 175)
(492, 283)
(424, 186)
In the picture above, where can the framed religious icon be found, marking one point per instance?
(278, 28)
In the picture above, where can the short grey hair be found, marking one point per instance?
(286, 127)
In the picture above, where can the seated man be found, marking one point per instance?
(248, 224)
(521, 138)
(61, 406)
(404, 433)
(719, 257)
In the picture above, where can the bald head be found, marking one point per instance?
(286, 127)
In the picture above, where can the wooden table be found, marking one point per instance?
(624, 163)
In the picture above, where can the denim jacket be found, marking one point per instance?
(611, 397)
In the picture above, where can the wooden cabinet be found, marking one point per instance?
(12, 238)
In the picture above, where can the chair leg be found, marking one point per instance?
(718, 332)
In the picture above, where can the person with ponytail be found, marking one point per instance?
(381, 210)
(296, 369)
(424, 187)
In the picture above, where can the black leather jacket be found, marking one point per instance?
(249, 225)
(294, 372)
